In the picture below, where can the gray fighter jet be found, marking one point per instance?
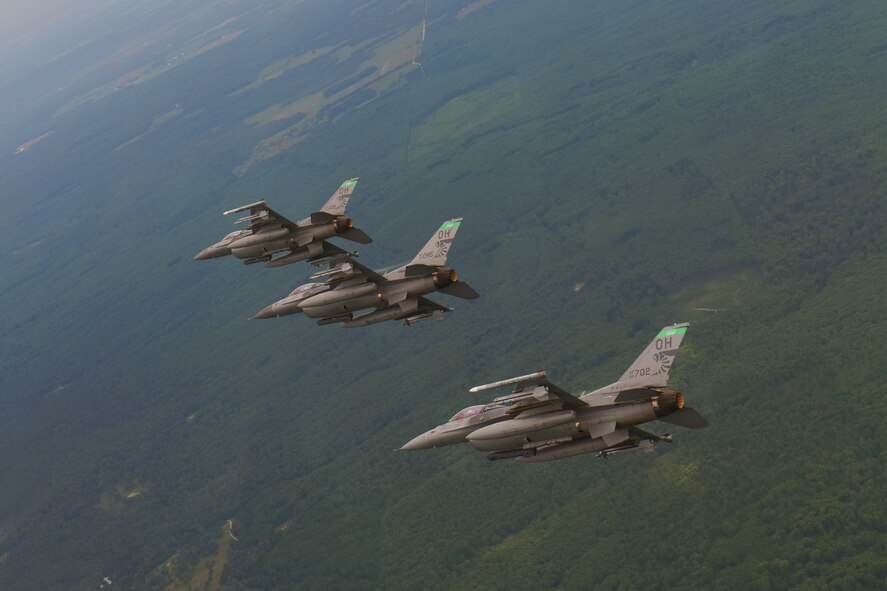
(270, 233)
(539, 421)
(395, 295)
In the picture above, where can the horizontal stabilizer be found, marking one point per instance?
(686, 417)
(356, 235)
(321, 217)
(418, 270)
(460, 290)
(635, 394)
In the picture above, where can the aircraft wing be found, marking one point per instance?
(260, 216)
(568, 399)
(373, 276)
(530, 384)
(342, 265)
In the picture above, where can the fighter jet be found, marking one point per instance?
(270, 233)
(539, 421)
(395, 295)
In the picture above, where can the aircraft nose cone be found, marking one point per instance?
(204, 254)
(420, 442)
(267, 312)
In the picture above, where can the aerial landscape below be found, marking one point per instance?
(708, 175)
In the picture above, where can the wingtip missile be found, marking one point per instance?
(244, 207)
(532, 376)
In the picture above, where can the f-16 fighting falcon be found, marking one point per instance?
(395, 295)
(540, 421)
(270, 233)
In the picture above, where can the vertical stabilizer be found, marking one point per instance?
(434, 253)
(339, 201)
(653, 365)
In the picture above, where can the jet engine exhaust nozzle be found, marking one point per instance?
(444, 277)
(667, 403)
(342, 224)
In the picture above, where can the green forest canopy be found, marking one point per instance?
(619, 167)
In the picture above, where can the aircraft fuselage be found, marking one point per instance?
(558, 426)
(353, 298)
(536, 433)
(247, 244)
(280, 239)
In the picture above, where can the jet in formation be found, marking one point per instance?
(539, 421)
(269, 233)
(394, 295)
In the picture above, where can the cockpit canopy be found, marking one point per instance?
(234, 235)
(303, 289)
(467, 412)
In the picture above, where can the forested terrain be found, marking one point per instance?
(619, 166)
